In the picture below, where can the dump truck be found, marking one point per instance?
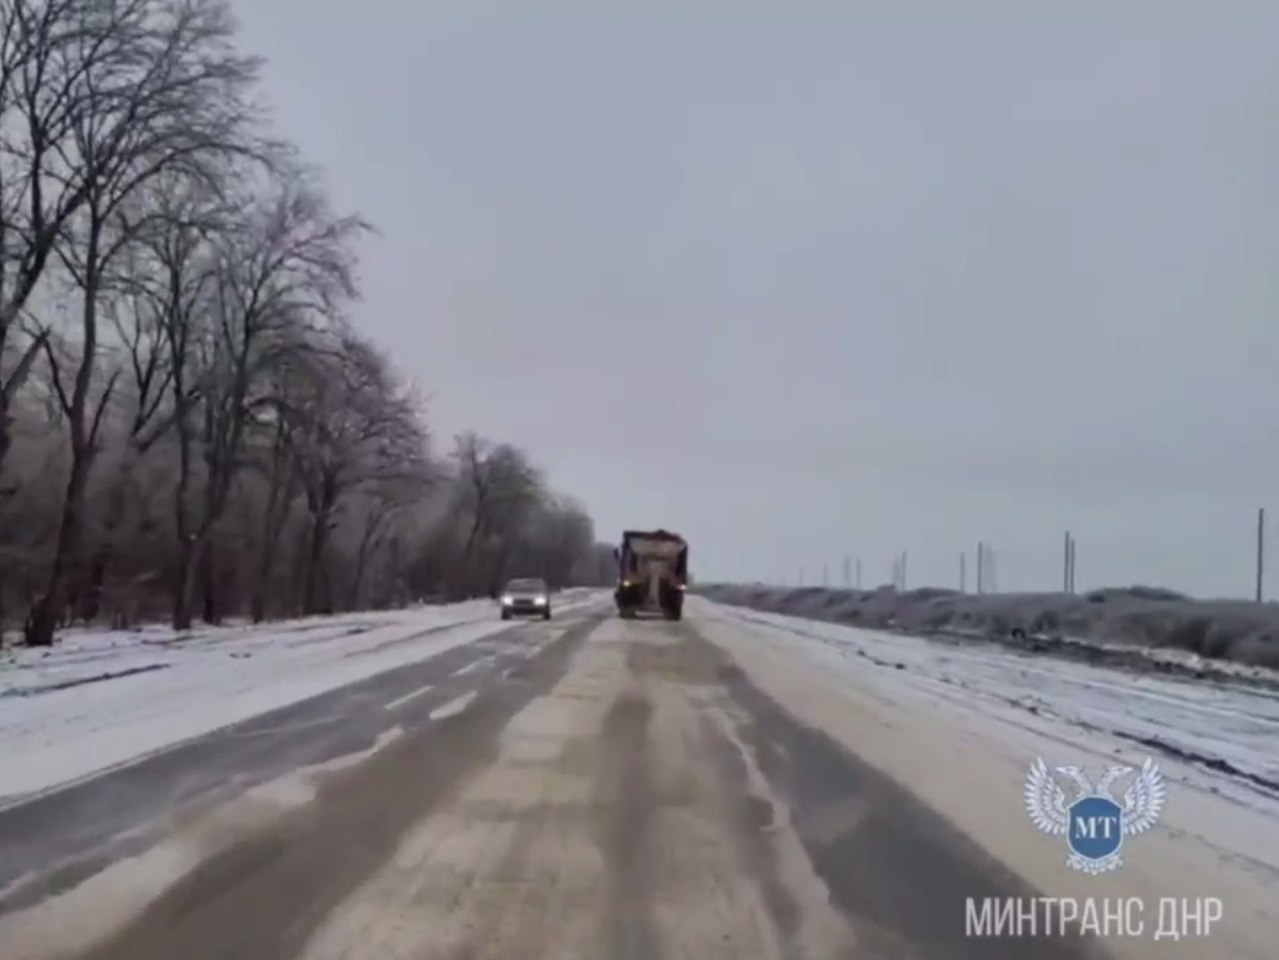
(652, 573)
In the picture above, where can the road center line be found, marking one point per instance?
(401, 701)
(453, 707)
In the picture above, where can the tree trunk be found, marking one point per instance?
(48, 608)
(277, 515)
(91, 601)
(461, 579)
(217, 488)
(497, 572)
(300, 573)
(261, 582)
(209, 611)
(357, 581)
(182, 519)
(361, 562)
(321, 523)
(319, 539)
(257, 602)
(6, 437)
(90, 604)
(373, 525)
(183, 586)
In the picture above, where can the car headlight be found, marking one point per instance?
(540, 601)
(507, 600)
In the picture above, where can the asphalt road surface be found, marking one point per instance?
(586, 788)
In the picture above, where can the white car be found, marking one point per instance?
(526, 596)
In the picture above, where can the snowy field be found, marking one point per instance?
(1228, 731)
(1138, 627)
(103, 698)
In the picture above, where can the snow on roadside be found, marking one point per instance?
(964, 752)
(1187, 662)
(1226, 730)
(84, 655)
(55, 728)
(89, 656)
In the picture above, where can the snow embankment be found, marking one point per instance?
(1228, 728)
(958, 725)
(1140, 628)
(104, 698)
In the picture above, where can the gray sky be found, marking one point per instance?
(833, 278)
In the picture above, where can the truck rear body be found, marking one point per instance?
(652, 573)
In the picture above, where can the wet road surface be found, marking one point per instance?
(592, 788)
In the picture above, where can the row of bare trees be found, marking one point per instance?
(190, 423)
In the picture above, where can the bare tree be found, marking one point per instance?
(144, 375)
(42, 60)
(171, 95)
(563, 537)
(354, 429)
(96, 98)
(279, 469)
(285, 270)
(181, 247)
(496, 487)
(384, 501)
(189, 289)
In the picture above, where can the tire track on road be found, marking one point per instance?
(262, 898)
(625, 803)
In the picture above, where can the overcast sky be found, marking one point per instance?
(800, 280)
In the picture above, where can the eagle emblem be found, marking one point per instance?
(1093, 822)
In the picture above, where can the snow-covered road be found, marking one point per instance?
(99, 699)
(733, 785)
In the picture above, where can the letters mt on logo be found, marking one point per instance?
(1093, 822)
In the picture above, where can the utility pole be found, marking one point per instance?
(963, 572)
(859, 573)
(1261, 553)
(981, 566)
(1072, 563)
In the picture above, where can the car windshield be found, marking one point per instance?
(526, 586)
